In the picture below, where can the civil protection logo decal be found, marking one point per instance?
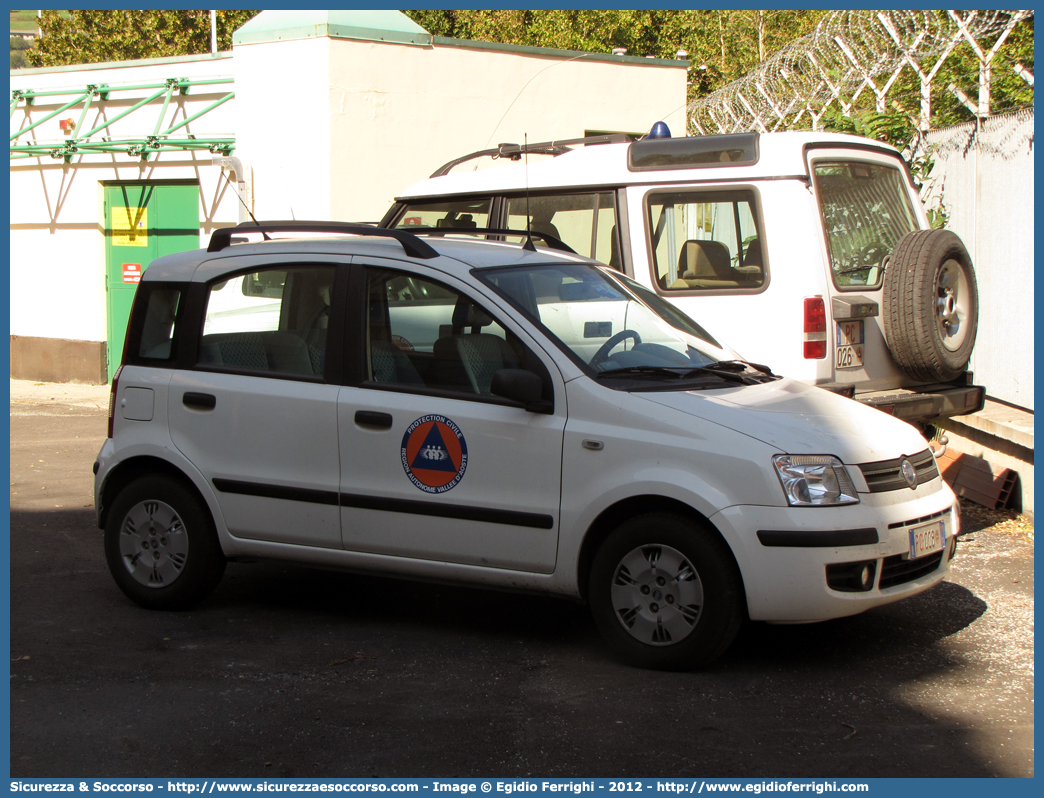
(434, 454)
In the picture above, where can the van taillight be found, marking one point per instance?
(112, 397)
(815, 328)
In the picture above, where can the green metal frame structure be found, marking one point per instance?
(96, 141)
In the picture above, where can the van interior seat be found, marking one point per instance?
(704, 259)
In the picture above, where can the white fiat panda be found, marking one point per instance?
(808, 251)
(500, 415)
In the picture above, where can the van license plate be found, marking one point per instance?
(849, 351)
(927, 539)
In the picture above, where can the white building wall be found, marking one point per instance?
(57, 275)
(283, 130)
(984, 178)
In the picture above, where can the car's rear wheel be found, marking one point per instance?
(665, 592)
(161, 546)
(931, 305)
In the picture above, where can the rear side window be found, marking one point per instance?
(866, 210)
(273, 321)
(157, 333)
(707, 241)
(586, 222)
(447, 214)
(151, 338)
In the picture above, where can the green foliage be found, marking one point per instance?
(895, 127)
(88, 37)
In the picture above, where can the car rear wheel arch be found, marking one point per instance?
(131, 469)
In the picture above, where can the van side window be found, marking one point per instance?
(423, 335)
(705, 241)
(586, 222)
(273, 321)
(442, 214)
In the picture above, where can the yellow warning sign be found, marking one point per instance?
(130, 227)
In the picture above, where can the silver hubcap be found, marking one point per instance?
(657, 595)
(153, 543)
(952, 304)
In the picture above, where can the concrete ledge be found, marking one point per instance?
(58, 360)
(1003, 421)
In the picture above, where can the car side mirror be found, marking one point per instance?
(519, 385)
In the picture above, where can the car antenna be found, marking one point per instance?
(245, 206)
(529, 232)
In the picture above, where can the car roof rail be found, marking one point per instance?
(413, 246)
(515, 151)
(552, 241)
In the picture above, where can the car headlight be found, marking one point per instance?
(814, 480)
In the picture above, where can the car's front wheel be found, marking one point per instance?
(665, 592)
(161, 546)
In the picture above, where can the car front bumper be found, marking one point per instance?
(784, 553)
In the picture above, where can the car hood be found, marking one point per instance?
(797, 418)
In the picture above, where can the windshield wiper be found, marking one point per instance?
(740, 365)
(675, 372)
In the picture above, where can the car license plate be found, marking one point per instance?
(848, 353)
(927, 539)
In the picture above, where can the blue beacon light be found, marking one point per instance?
(659, 131)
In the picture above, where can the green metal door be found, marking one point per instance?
(143, 220)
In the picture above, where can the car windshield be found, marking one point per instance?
(612, 325)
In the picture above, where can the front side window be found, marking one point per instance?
(706, 241)
(452, 214)
(866, 210)
(586, 222)
(423, 335)
(273, 321)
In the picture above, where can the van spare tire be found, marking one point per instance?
(931, 305)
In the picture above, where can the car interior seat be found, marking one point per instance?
(468, 358)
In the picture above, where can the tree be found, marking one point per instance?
(88, 37)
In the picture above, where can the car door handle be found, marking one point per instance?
(200, 401)
(370, 418)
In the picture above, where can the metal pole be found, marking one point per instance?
(213, 31)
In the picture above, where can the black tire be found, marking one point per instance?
(931, 305)
(693, 619)
(161, 545)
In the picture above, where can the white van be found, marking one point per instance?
(808, 252)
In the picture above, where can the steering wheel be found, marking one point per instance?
(608, 346)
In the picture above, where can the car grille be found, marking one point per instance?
(885, 475)
(897, 571)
